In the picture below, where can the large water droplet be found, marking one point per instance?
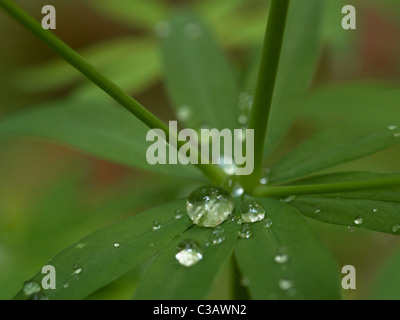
(252, 211)
(217, 236)
(233, 185)
(209, 206)
(189, 253)
(359, 220)
(31, 287)
(245, 232)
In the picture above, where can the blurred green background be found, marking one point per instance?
(51, 195)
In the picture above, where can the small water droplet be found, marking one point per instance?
(245, 232)
(156, 225)
(242, 119)
(116, 244)
(318, 211)
(244, 282)
(374, 210)
(77, 269)
(227, 165)
(350, 228)
(392, 127)
(282, 256)
(189, 253)
(179, 213)
(288, 199)
(209, 206)
(359, 220)
(184, 113)
(396, 135)
(66, 285)
(162, 29)
(80, 245)
(396, 228)
(193, 30)
(252, 211)
(265, 176)
(233, 185)
(267, 223)
(217, 236)
(31, 287)
(285, 284)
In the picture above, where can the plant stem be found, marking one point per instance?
(266, 83)
(214, 173)
(384, 182)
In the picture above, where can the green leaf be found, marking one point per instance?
(298, 60)
(199, 79)
(98, 128)
(166, 279)
(386, 286)
(135, 13)
(101, 262)
(113, 57)
(310, 271)
(334, 146)
(379, 209)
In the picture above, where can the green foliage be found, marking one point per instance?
(347, 125)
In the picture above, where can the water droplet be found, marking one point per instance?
(193, 30)
(66, 285)
(31, 287)
(156, 225)
(77, 269)
(285, 284)
(252, 211)
(189, 253)
(396, 135)
(184, 113)
(244, 282)
(245, 232)
(265, 176)
(227, 165)
(162, 29)
(179, 213)
(217, 236)
(288, 199)
(80, 245)
(267, 223)
(116, 244)
(282, 256)
(209, 206)
(392, 127)
(396, 228)
(242, 119)
(350, 228)
(318, 211)
(374, 210)
(39, 296)
(233, 185)
(359, 220)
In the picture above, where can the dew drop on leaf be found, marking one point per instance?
(396, 228)
(288, 199)
(116, 245)
(179, 213)
(252, 211)
(359, 220)
(232, 185)
(374, 210)
(31, 287)
(216, 237)
(184, 113)
(77, 269)
(156, 225)
(392, 127)
(282, 256)
(267, 223)
(189, 253)
(285, 284)
(209, 206)
(245, 232)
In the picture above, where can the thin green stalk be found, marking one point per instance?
(214, 173)
(361, 185)
(266, 83)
